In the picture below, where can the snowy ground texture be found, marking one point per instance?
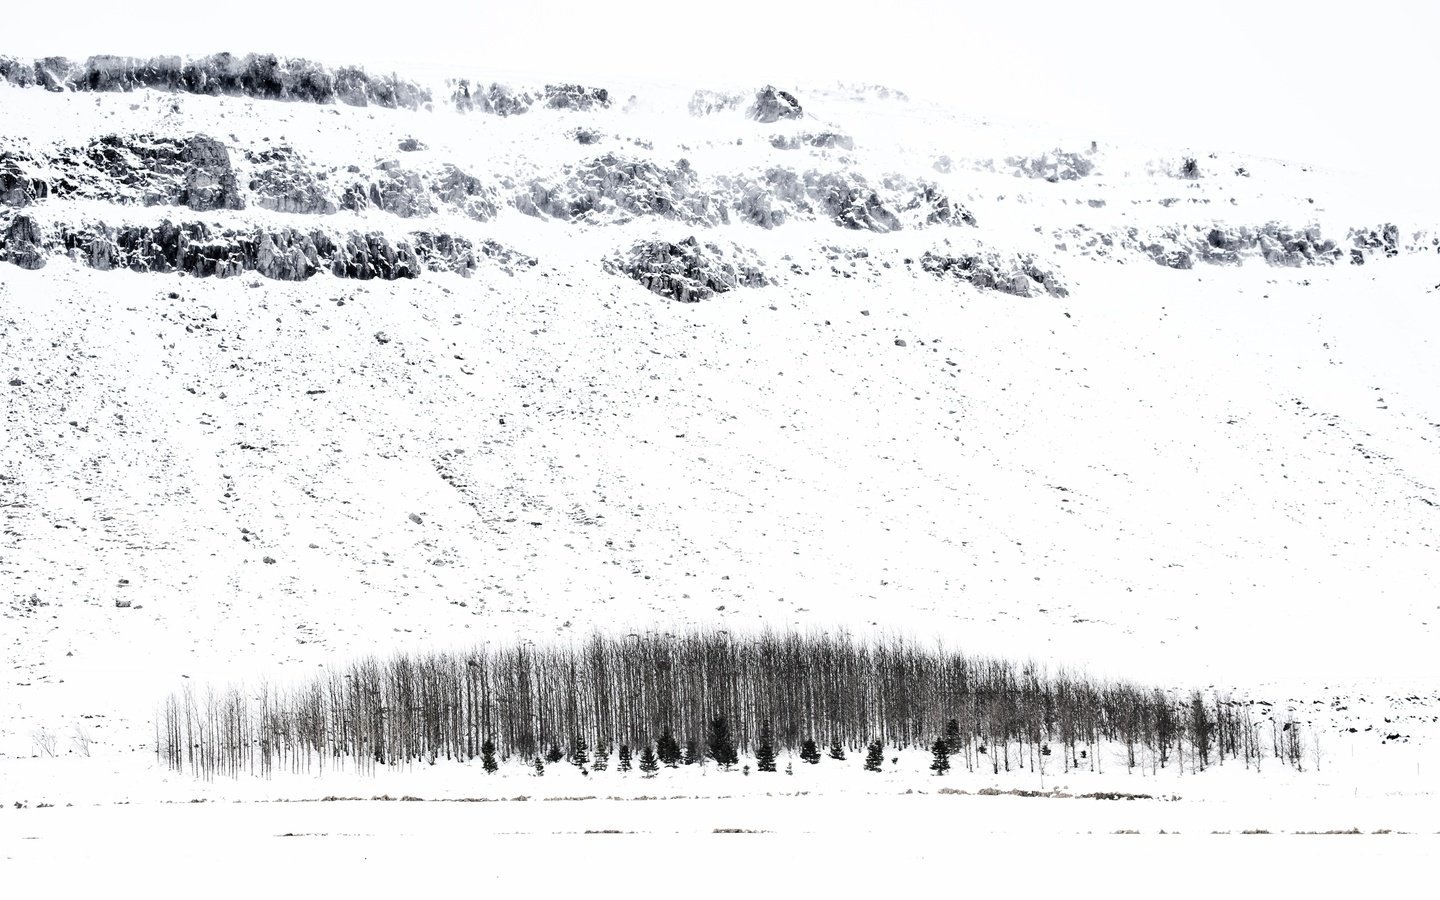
(1178, 438)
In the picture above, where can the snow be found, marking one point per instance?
(1223, 476)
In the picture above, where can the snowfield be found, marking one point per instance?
(1198, 475)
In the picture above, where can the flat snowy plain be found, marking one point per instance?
(1223, 477)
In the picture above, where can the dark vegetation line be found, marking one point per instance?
(715, 695)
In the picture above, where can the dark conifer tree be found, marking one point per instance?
(941, 751)
(874, 757)
(952, 737)
(487, 756)
(667, 749)
(765, 753)
(809, 752)
(539, 766)
(624, 764)
(837, 751)
(692, 753)
(602, 757)
(648, 764)
(579, 752)
(555, 754)
(718, 744)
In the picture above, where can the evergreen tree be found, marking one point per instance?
(765, 753)
(692, 753)
(952, 737)
(624, 765)
(941, 751)
(837, 751)
(579, 752)
(648, 764)
(602, 757)
(539, 766)
(487, 756)
(668, 749)
(555, 754)
(718, 744)
(874, 757)
(809, 752)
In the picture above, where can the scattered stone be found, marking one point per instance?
(411, 145)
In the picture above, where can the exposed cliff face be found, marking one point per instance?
(823, 176)
(263, 76)
(142, 169)
(24, 244)
(285, 254)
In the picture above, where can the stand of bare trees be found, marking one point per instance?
(631, 691)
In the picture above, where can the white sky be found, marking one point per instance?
(1323, 80)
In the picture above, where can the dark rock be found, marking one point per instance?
(849, 202)
(772, 105)
(151, 171)
(686, 271)
(17, 186)
(576, 97)
(497, 99)
(1020, 275)
(1386, 239)
(394, 190)
(456, 188)
(615, 189)
(410, 145)
(284, 254)
(24, 243)
(1053, 167)
(285, 183)
(828, 140)
(931, 203)
(261, 76)
(209, 180)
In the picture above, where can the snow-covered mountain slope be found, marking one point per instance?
(289, 380)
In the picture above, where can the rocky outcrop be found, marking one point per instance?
(772, 105)
(688, 271)
(503, 100)
(1277, 244)
(259, 75)
(927, 202)
(497, 99)
(287, 254)
(612, 189)
(1385, 239)
(467, 193)
(1020, 275)
(23, 244)
(1054, 167)
(18, 187)
(393, 190)
(826, 140)
(576, 96)
(284, 182)
(143, 169)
